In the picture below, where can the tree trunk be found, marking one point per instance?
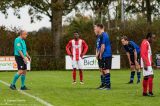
(143, 8)
(99, 17)
(56, 30)
(108, 18)
(148, 6)
(118, 10)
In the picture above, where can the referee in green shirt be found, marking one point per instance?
(21, 57)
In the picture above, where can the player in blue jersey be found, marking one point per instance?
(133, 54)
(21, 57)
(104, 56)
(97, 57)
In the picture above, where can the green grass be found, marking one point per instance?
(55, 87)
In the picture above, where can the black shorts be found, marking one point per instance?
(20, 63)
(138, 59)
(99, 63)
(105, 63)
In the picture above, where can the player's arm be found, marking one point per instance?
(85, 48)
(101, 50)
(135, 57)
(68, 48)
(22, 55)
(134, 52)
(97, 54)
(28, 56)
(104, 39)
(129, 58)
(144, 54)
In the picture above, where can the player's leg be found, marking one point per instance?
(74, 71)
(15, 78)
(23, 79)
(132, 74)
(106, 69)
(19, 62)
(138, 76)
(150, 81)
(145, 85)
(132, 68)
(102, 75)
(138, 68)
(23, 76)
(80, 62)
(102, 80)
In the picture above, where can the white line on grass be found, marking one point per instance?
(29, 95)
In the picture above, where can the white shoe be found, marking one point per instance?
(74, 82)
(81, 82)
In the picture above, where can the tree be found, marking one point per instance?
(54, 9)
(99, 7)
(146, 7)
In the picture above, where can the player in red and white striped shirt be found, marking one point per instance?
(77, 48)
(146, 55)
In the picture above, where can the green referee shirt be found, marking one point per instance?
(20, 45)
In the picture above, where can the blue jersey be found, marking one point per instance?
(131, 47)
(104, 39)
(20, 45)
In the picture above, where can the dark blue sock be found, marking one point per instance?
(102, 79)
(139, 76)
(107, 79)
(132, 76)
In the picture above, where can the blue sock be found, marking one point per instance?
(139, 76)
(102, 79)
(107, 79)
(23, 77)
(16, 76)
(132, 76)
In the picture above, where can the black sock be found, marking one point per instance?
(107, 79)
(132, 76)
(139, 76)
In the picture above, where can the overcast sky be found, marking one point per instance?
(24, 22)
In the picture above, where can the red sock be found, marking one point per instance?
(74, 74)
(150, 80)
(145, 85)
(81, 74)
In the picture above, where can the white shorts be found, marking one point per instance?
(77, 64)
(148, 72)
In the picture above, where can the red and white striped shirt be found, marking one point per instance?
(146, 52)
(76, 48)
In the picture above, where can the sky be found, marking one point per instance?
(24, 22)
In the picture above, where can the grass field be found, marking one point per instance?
(55, 88)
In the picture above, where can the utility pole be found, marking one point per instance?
(122, 13)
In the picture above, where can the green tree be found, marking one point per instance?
(54, 9)
(146, 7)
(99, 8)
